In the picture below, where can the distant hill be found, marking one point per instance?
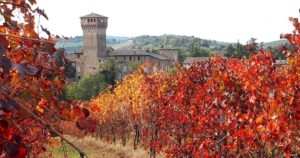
(75, 43)
(275, 44)
(146, 42)
(184, 43)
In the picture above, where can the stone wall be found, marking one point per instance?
(94, 43)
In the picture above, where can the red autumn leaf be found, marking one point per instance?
(3, 45)
(206, 154)
(43, 102)
(5, 64)
(46, 31)
(3, 125)
(86, 112)
(41, 12)
(14, 150)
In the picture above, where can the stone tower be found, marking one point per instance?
(94, 41)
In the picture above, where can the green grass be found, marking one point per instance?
(124, 45)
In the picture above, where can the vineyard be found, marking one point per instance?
(246, 107)
(223, 107)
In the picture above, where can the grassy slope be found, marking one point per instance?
(76, 46)
(124, 45)
(98, 149)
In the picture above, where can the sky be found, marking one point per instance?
(221, 20)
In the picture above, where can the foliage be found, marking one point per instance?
(30, 83)
(86, 88)
(173, 41)
(221, 107)
(110, 71)
(277, 54)
(133, 66)
(65, 64)
(225, 107)
(199, 52)
(92, 85)
(236, 51)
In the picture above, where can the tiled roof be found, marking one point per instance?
(136, 52)
(168, 49)
(195, 59)
(93, 15)
(128, 52)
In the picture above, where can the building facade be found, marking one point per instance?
(95, 51)
(94, 41)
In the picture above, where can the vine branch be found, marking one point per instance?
(26, 38)
(47, 125)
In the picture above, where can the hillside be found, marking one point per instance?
(184, 43)
(146, 42)
(75, 43)
(274, 44)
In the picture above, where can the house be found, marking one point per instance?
(190, 60)
(95, 51)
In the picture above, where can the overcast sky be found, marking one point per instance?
(222, 20)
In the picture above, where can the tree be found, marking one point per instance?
(236, 51)
(205, 43)
(199, 52)
(277, 54)
(181, 56)
(252, 45)
(30, 83)
(230, 50)
(90, 86)
(64, 63)
(110, 71)
(242, 51)
(86, 88)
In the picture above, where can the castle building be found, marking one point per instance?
(94, 41)
(95, 51)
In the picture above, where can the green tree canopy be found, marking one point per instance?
(199, 52)
(61, 61)
(86, 88)
(236, 51)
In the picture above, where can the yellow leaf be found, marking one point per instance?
(259, 120)
(261, 129)
(39, 109)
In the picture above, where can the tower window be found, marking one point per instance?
(124, 57)
(78, 69)
(88, 20)
(130, 58)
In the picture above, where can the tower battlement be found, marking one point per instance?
(93, 21)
